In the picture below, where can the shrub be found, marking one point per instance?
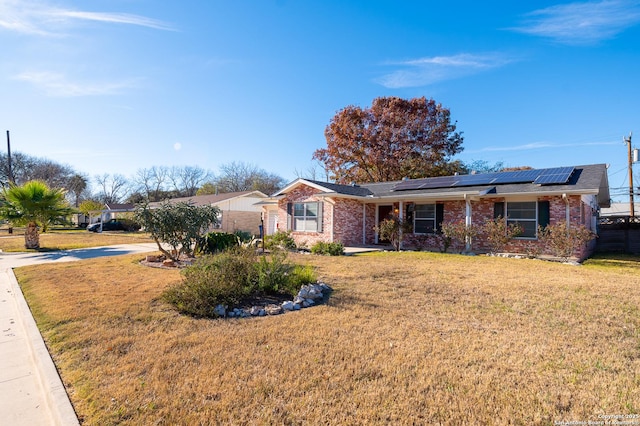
(456, 234)
(214, 242)
(299, 276)
(563, 242)
(224, 278)
(330, 249)
(393, 229)
(243, 236)
(498, 233)
(272, 272)
(279, 240)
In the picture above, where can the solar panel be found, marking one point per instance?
(407, 185)
(520, 176)
(558, 175)
(439, 182)
(479, 179)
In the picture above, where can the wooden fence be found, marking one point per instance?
(619, 234)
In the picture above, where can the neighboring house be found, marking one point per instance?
(110, 211)
(240, 211)
(620, 209)
(320, 211)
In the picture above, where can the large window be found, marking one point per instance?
(525, 214)
(424, 218)
(307, 217)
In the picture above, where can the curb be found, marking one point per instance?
(56, 397)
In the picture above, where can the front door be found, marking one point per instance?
(384, 212)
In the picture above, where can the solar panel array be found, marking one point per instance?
(553, 176)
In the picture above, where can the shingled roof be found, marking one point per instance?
(586, 179)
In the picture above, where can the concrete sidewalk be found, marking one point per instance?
(31, 392)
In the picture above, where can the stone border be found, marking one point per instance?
(309, 295)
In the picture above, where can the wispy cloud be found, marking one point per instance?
(39, 18)
(581, 23)
(116, 18)
(58, 85)
(541, 145)
(426, 71)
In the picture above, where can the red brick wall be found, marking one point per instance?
(343, 221)
(306, 194)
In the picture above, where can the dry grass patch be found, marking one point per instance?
(65, 240)
(405, 338)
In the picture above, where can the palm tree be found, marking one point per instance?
(33, 204)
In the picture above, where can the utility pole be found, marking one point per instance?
(10, 169)
(631, 207)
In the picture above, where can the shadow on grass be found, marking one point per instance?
(617, 260)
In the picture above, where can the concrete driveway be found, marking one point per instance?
(31, 392)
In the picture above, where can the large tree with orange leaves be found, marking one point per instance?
(393, 139)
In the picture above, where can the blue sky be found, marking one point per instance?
(115, 86)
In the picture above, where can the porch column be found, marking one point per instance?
(400, 216)
(467, 222)
(364, 224)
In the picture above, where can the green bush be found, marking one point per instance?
(224, 278)
(272, 272)
(243, 236)
(330, 249)
(228, 277)
(279, 240)
(214, 242)
(299, 276)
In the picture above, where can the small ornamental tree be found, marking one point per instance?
(498, 233)
(393, 230)
(562, 241)
(178, 225)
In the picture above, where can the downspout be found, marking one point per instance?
(467, 223)
(567, 209)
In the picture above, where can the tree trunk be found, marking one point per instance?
(31, 236)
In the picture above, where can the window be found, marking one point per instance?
(525, 214)
(307, 217)
(424, 218)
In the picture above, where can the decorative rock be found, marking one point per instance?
(273, 310)
(262, 313)
(153, 258)
(304, 292)
(220, 310)
(298, 300)
(255, 310)
(288, 305)
(168, 262)
(296, 307)
(307, 303)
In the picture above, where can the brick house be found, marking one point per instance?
(320, 211)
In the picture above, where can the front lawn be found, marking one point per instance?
(404, 338)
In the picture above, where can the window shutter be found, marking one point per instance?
(439, 217)
(498, 210)
(289, 219)
(320, 217)
(543, 213)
